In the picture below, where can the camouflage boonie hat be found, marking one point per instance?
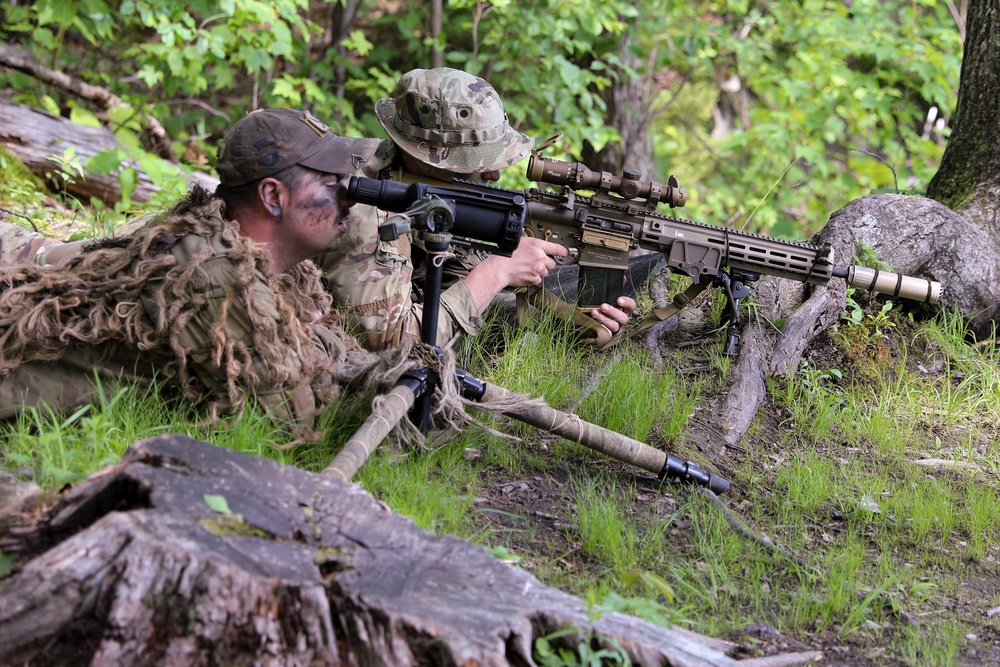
(453, 120)
(266, 141)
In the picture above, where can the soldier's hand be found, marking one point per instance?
(531, 262)
(614, 318)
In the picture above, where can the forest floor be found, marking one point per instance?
(937, 605)
(917, 597)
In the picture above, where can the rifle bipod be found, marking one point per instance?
(536, 413)
(434, 217)
(736, 286)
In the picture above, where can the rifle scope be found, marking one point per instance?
(580, 177)
(482, 213)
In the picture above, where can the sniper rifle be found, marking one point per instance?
(603, 230)
(494, 217)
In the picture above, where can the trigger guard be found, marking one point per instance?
(572, 258)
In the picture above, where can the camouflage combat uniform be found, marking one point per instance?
(448, 119)
(372, 286)
(187, 299)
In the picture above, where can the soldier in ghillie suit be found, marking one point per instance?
(216, 297)
(442, 123)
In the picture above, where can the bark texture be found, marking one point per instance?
(33, 136)
(968, 180)
(132, 567)
(915, 236)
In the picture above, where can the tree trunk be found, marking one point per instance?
(628, 112)
(968, 180)
(132, 567)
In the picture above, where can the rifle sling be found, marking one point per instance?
(595, 332)
(680, 300)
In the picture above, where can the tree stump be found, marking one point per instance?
(914, 235)
(133, 567)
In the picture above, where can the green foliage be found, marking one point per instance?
(660, 404)
(820, 116)
(550, 650)
(6, 561)
(817, 116)
(19, 188)
(549, 60)
(61, 449)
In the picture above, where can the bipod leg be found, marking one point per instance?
(436, 245)
(394, 407)
(736, 287)
(598, 438)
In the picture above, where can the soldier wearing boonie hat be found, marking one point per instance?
(442, 123)
(449, 120)
(453, 120)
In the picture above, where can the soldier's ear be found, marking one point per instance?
(270, 191)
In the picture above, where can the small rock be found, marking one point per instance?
(868, 504)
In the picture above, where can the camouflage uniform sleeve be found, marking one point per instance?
(458, 316)
(370, 281)
(18, 244)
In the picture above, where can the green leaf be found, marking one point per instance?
(107, 161)
(502, 554)
(82, 116)
(127, 182)
(49, 105)
(6, 560)
(217, 503)
(358, 43)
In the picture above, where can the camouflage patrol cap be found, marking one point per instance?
(452, 120)
(266, 141)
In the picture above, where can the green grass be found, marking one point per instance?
(828, 475)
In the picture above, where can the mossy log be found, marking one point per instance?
(33, 136)
(133, 567)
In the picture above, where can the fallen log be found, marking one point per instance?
(286, 567)
(34, 136)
